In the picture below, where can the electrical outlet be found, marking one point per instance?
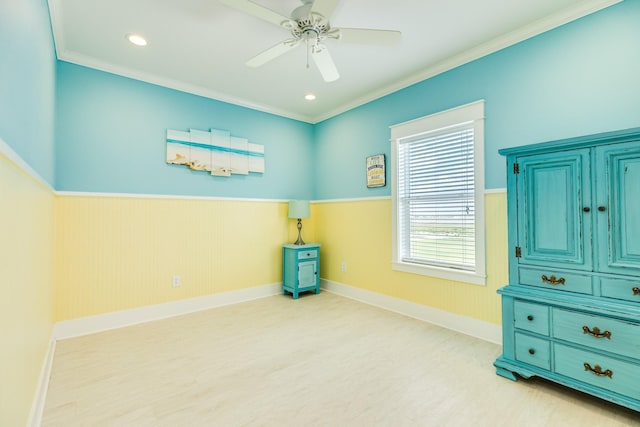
(343, 267)
(176, 281)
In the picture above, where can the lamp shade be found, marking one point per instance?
(298, 209)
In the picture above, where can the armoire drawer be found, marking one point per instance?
(598, 370)
(531, 317)
(556, 279)
(534, 351)
(615, 336)
(628, 290)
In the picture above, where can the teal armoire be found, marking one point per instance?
(571, 310)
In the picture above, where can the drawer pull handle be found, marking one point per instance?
(532, 351)
(596, 332)
(597, 370)
(529, 318)
(552, 280)
(636, 290)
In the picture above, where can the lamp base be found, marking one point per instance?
(299, 241)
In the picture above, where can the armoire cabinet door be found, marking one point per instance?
(554, 213)
(618, 210)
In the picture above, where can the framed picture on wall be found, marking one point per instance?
(375, 171)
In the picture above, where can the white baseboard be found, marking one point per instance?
(466, 325)
(119, 319)
(37, 407)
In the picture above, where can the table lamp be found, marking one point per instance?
(299, 209)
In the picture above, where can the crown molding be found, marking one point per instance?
(536, 28)
(90, 62)
(543, 25)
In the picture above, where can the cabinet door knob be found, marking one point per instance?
(529, 318)
(532, 351)
(602, 208)
(586, 209)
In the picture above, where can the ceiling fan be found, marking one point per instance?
(309, 25)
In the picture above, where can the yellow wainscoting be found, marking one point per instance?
(26, 263)
(358, 233)
(117, 253)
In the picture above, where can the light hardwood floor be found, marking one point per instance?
(321, 360)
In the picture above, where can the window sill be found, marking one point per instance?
(442, 273)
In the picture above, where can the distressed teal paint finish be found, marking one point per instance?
(533, 351)
(624, 379)
(552, 192)
(571, 310)
(619, 194)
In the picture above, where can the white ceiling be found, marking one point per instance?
(201, 46)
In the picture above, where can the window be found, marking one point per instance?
(438, 194)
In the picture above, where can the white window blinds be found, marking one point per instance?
(436, 194)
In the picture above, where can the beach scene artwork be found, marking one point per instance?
(214, 151)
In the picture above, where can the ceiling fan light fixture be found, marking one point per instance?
(136, 39)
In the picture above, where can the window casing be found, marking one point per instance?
(438, 194)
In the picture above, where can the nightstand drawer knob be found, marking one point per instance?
(636, 290)
(596, 332)
(532, 351)
(602, 208)
(586, 209)
(529, 318)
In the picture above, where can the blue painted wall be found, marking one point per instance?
(581, 78)
(110, 137)
(109, 130)
(27, 83)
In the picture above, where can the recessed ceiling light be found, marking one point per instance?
(309, 97)
(137, 39)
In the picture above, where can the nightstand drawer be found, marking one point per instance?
(531, 317)
(615, 336)
(556, 279)
(534, 351)
(628, 290)
(601, 371)
(308, 254)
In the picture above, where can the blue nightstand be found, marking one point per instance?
(300, 269)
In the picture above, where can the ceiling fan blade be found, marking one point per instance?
(256, 10)
(325, 64)
(272, 53)
(324, 7)
(367, 36)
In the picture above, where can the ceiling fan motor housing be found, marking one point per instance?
(307, 25)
